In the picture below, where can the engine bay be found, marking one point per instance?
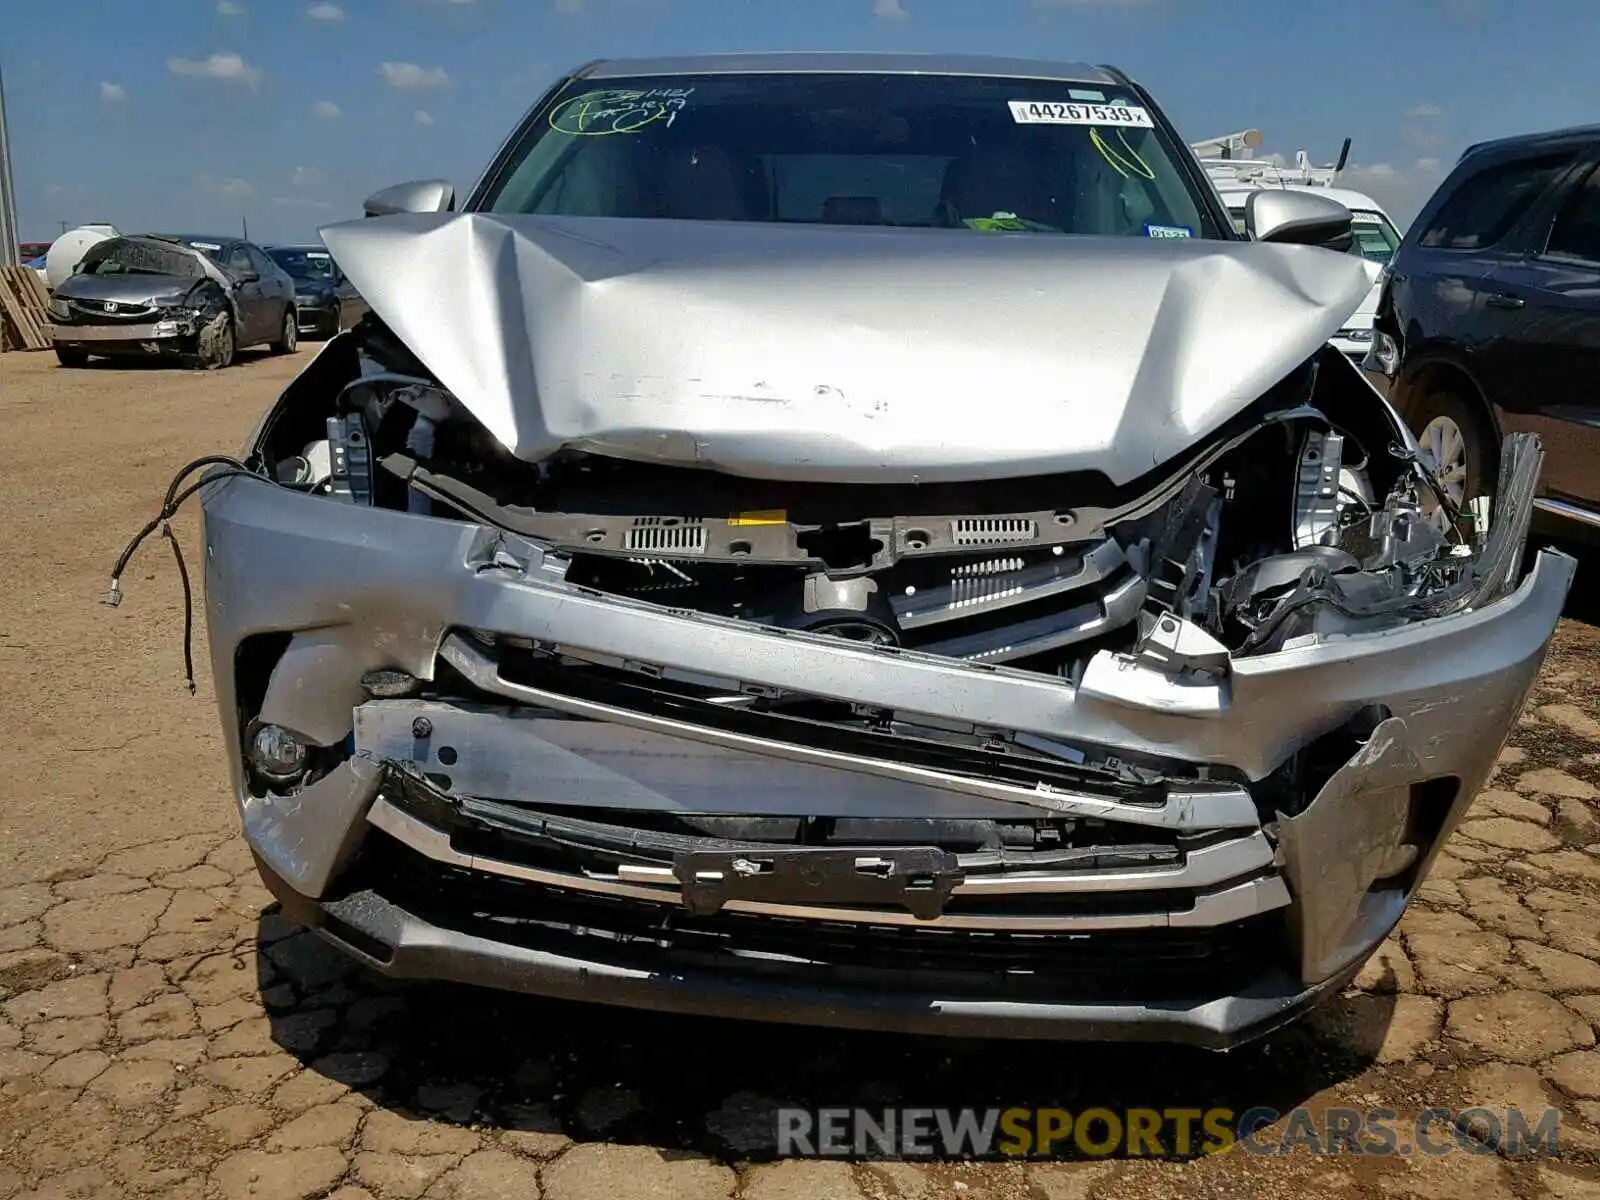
(1306, 514)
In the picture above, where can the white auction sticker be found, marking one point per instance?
(1052, 112)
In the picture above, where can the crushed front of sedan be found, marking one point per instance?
(143, 295)
(883, 628)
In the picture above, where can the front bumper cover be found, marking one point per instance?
(108, 336)
(358, 588)
(314, 312)
(403, 945)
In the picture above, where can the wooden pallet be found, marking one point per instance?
(24, 310)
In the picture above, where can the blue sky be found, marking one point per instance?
(190, 114)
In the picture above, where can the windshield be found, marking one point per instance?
(1375, 238)
(857, 149)
(304, 264)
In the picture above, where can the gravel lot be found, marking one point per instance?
(164, 1032)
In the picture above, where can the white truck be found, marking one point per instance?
(1236, 173)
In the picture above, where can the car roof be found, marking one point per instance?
(851, 64)
(1549, 139)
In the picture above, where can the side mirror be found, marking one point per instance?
(247, 276)
(418, 196)
(1297, 219)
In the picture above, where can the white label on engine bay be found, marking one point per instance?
(1052, 112)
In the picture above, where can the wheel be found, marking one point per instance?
(335, 322)
(71, 358)
(1458, 449)
(214, 346)
(289, 333)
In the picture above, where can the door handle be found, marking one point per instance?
(1505, 300)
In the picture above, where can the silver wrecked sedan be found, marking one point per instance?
(859, 541)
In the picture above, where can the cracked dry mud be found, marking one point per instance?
(164, 1032)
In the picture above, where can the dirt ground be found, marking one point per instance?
(164, 1032)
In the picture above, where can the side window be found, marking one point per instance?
(1576, 233)
(1485, 206)
(239, 259)
(263, 265)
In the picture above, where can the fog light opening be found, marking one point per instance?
(277, 753)
(1431, 802)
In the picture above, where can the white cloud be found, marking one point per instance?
(306, 177)
(411, 77)
(236, 188)
(1402, 189)
(1423, 128)
(227, 66)
(227, 8)
(325, 12)
(113, 93)
(889, 10)
(422, 117)
(326, 110)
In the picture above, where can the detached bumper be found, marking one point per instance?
(1215, 904)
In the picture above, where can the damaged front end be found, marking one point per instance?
(145, 296)
(1046, 756)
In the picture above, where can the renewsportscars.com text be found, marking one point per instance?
(1157, 1133)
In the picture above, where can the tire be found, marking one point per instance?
(1458, 448)
(335, 323)
(71, 358)
(214, 347)
(288, 333)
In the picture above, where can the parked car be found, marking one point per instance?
(194, 300)
(749, 562)
(36, 265)
(1489, 322)
(1375, 239)
(324, 298)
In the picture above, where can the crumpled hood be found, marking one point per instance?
(127, 289)
(845, 354)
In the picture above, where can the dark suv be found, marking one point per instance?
(1490, 318)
